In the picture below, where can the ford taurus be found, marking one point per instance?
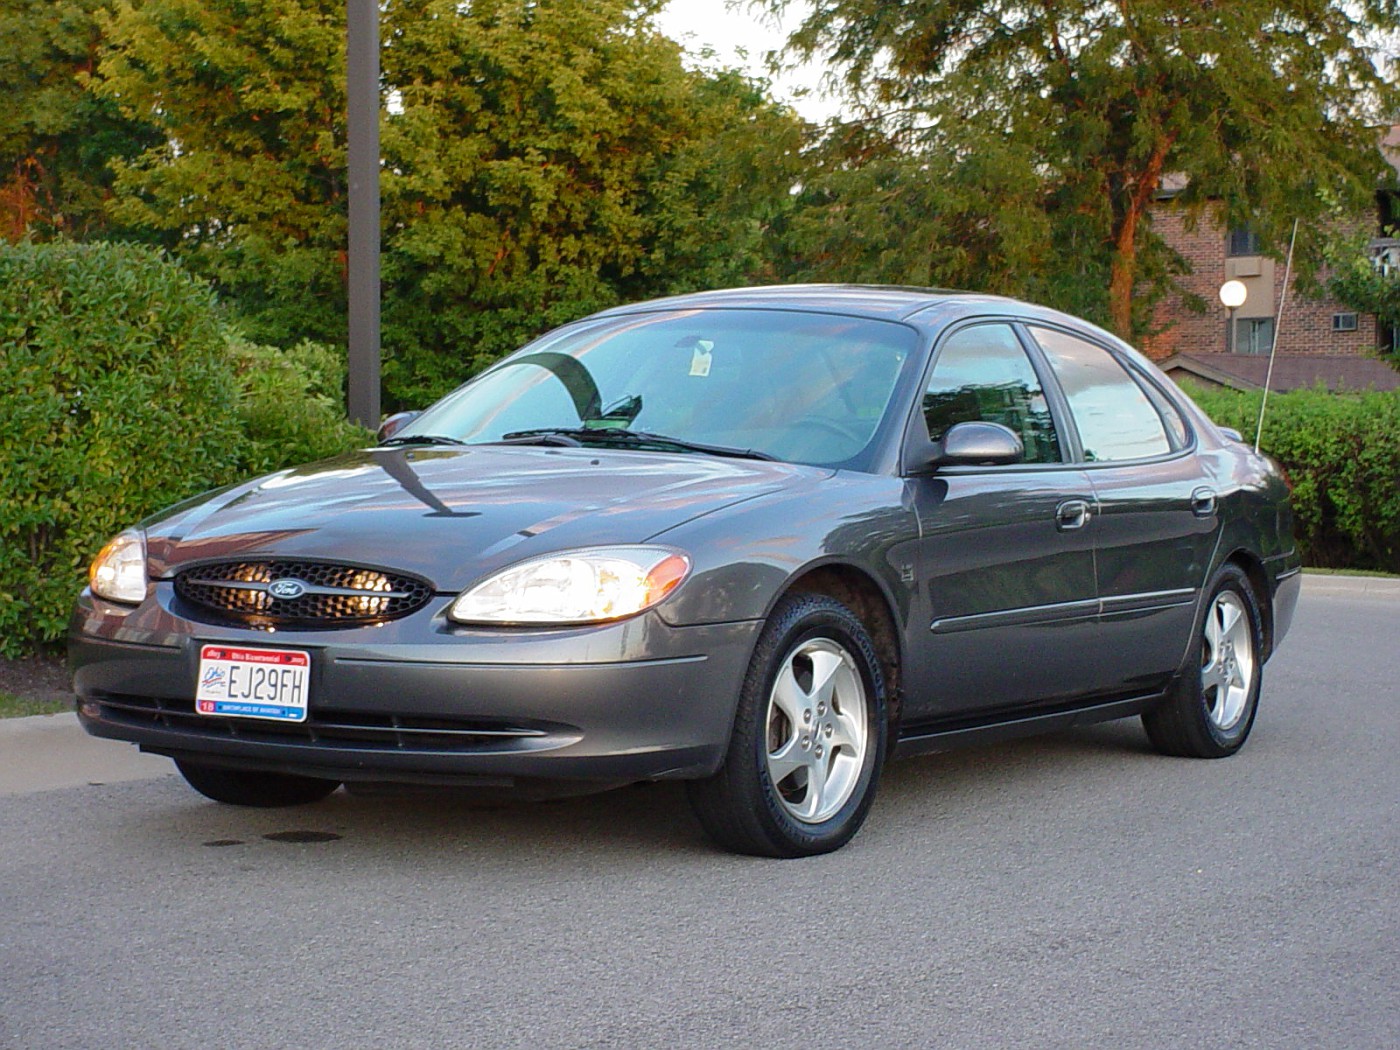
(758, 540)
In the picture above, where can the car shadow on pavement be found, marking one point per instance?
(448, 827)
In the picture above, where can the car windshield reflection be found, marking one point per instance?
(763, 384)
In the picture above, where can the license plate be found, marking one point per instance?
(237, 682)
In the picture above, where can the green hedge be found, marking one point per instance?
(123, 392)
(1342, 455)
(291, 405)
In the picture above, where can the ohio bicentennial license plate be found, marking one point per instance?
(238, 682)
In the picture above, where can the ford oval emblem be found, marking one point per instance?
(286, 589)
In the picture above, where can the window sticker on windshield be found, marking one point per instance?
(700, 359)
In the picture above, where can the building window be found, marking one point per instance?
(1253, 335)
(1242, 241)
(1343, 322)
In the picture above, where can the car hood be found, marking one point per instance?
(451, 515)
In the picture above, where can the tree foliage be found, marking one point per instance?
(1078, 110)
(554, 158)
(540, 159)
(55, 136)
(1358, 280)
(247, 181)
(872, 210)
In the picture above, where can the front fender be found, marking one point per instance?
(746, 555)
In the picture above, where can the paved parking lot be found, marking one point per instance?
(1070, 891)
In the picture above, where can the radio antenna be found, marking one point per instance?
(1273, 343)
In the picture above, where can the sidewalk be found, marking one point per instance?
(45, 752)
(1368, 587)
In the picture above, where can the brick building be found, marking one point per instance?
(1320, 340)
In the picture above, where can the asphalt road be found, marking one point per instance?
(1071, 891)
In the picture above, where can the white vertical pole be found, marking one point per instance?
(1273, 343)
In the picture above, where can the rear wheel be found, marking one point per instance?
(241, 787)
(1210, 712)
(809, 737)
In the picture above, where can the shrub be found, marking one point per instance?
(123, 393)
(291, 407)
(118, 400)
(1342, 455)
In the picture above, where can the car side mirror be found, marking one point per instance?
(977, 443)
(394, 424)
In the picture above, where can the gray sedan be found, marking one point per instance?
(759, 540)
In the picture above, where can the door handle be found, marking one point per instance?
(1203, 502)
(1072, 514)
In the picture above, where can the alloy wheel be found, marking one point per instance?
(1227, 661)
(816, 730)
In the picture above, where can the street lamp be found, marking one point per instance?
(1233, 295)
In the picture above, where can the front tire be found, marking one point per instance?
(1210, 712)
(809, 737)
(241, 787)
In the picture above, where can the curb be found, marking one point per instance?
(1370, 587)
(30, 723)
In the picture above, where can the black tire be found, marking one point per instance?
(241, 787)
(741, 807)
(1211, 709)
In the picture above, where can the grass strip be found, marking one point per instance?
(21, 706)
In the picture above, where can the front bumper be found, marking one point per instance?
(422, 700)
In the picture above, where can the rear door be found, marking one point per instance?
(1157, 523)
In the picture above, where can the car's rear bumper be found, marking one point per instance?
(1288, 584)
(423, 701)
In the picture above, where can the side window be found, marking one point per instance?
(1115, 418)
(982, 373)
(1171, 415)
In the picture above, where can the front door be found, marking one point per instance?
(1007, 609)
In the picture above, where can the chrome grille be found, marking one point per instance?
(300, 593)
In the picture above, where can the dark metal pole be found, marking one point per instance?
(362, 97)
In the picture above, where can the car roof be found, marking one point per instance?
(886, 302)
(927, 308)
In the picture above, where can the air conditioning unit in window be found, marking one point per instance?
(1244, 266)
(1343, 322)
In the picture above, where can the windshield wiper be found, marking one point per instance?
(423, 439)
(539, 437)
(632, 438)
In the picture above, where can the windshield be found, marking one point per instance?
(801, 387)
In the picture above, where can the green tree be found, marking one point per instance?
(247, 179)
(540, 159)
(1357, 278)
(55, 137)
(553, 158)
(1266, 109)
(873, 209)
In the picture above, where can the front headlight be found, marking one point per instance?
(119, 572)
(584, 586)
